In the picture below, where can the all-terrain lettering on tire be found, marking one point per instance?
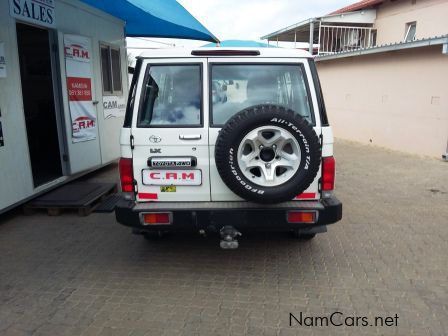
(241, 180)
(267, 154)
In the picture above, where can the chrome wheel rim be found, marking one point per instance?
(269, 156)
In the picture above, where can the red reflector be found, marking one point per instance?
(328, 173)
(301, 216)
(156, 218)
(150, 196)
(306, 196)
(126, 175)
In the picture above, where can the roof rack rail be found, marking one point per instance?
(224, 52)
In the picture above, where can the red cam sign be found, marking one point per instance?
(79, 89)
(76, 52)
(172, 177)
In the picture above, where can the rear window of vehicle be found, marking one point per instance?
(171, 96)
(236, 87)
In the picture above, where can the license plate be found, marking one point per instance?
(162, 177)
(171, 162)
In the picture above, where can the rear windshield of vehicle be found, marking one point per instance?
(236, 87)
(172, 97)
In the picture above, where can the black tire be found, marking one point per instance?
(245, 121)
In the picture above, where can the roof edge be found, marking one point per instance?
(363, 4)
(296, 25)
(431, 41)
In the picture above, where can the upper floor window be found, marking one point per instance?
(411, 29)
(111, 69)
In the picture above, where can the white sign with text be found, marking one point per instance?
(39, 12)
(114, 106)
(77, 52)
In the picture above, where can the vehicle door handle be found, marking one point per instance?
(190, 137)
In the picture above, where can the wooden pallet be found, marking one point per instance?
(82, 197)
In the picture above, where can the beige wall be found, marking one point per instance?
(431, 17)
(398, 100)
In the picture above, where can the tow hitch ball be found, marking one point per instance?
(228, 237)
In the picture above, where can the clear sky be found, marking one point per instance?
(247, 19)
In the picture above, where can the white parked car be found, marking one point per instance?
(260, 159)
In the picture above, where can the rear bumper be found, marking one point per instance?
(244, 216)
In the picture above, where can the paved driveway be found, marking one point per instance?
(387, 261)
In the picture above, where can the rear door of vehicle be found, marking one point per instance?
(236, 92)
(170, 131)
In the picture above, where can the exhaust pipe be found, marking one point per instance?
(228, 237)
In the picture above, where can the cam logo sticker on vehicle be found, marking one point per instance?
(166, 177)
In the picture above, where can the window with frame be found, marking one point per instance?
(172, 96)
(238, 86)
(411, 29)
(111, 69)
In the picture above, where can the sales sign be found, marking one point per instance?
(40, 12)
(78, 69)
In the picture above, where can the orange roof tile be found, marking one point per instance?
(358, 6)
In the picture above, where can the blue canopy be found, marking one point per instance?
(155, 18)
(240, 43)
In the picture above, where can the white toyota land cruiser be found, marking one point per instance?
(227, 140)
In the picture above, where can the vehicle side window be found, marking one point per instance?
(236, 87)
(172, 96)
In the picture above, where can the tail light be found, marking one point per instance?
(126, 175)
(306, 217)
(328, 173)
(156, 218)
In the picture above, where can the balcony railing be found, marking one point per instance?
(333, 39)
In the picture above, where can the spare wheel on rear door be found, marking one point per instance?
(267, 154)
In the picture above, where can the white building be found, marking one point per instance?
(63, 83)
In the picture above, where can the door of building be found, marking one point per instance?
(39, 103)
(82, 131)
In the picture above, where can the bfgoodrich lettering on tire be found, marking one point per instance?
(267, 154)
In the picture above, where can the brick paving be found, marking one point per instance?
(70, 275)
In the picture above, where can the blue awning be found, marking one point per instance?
(154, 18)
